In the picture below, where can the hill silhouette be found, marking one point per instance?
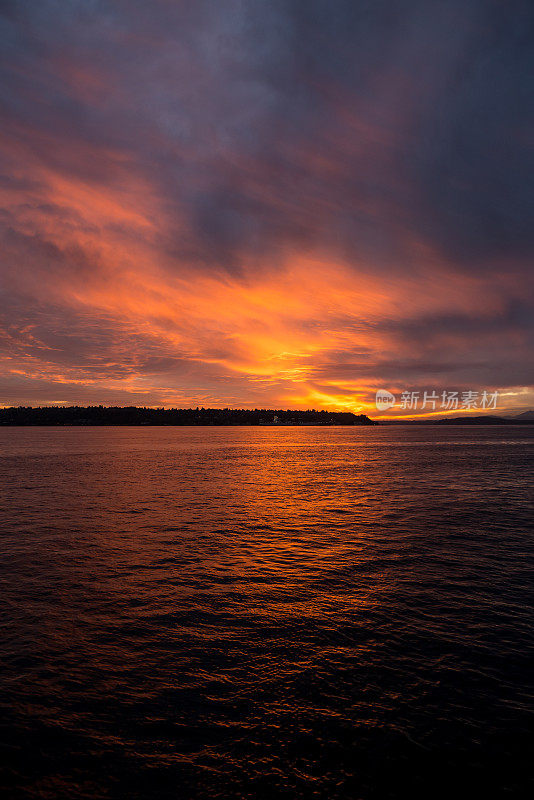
(526, 416)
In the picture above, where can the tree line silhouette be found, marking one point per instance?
(133, 415)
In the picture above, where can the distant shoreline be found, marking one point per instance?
(134, 416)
(487, 420)
(175, 417)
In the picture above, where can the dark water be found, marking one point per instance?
(272, 612)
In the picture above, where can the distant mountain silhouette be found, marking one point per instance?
(131, 415)
(482, 419)
(526, 416)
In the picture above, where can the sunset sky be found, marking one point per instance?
(266, 203)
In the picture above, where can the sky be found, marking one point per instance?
(266, 203)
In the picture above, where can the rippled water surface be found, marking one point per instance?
(266, 612)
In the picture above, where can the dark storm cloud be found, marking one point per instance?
(447, 83)
(289, 121)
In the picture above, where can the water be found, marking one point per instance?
(266, 612)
